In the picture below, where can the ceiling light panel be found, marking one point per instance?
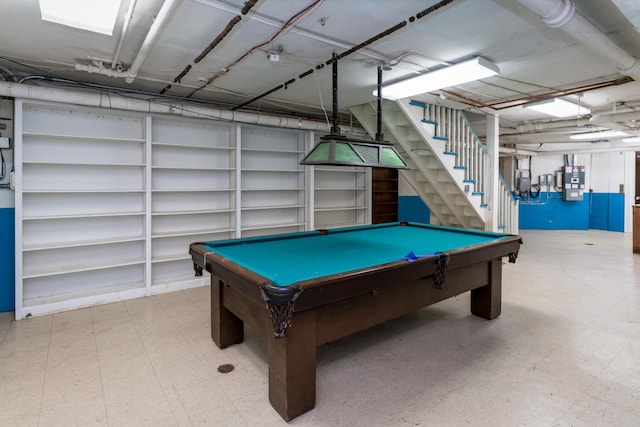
(599, 135)
(98, 16)
(463, 72)
(558, 108)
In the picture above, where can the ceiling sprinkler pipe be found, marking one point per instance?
(166, 12)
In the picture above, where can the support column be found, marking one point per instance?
(492, 188)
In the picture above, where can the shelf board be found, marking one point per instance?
(195, 212)
(79, 268)
(161, 235)
(172, 257)
(174, 283)
(80, 243)
(274, 170)
(267, 150)
(267, 226)
(262, 208)
(92, 164)
(194, 190)
(192, 168)
(71, 300)
(272, 189)
(85, 215)
(341, 189)
(90, 191)
(341, 208)
(83, 138)
(191, 146)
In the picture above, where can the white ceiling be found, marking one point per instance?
(535, 60)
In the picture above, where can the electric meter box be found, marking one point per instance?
(573, 183)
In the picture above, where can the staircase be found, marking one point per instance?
(448, 164)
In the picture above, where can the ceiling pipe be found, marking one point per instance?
(506, 151)
(117, 102)
(123, 33)
(570, 150)
(165, 13)
(562, 14)
(560, 124)
(607, 119)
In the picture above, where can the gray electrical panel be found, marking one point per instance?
(573, 183)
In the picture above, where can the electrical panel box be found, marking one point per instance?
(523, 184)
(4, 142)
(573, 179)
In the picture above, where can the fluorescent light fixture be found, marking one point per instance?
(98, 16)
(598, 135)
(558, 108)
(632, 139)
(467, 71)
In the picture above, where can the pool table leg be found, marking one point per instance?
(486, 301)
(292, 367)
(226, 328)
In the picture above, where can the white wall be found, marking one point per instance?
(404, 189)
(7, 199)
(607, 172)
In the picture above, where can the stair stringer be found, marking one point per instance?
(431, 181)
(426, 132)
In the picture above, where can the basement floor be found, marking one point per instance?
(564, 352)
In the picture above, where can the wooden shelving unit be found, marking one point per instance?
(384, 188)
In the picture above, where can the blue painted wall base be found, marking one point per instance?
(607, 211)
(412, 208)
(602, 211)
(7, 259)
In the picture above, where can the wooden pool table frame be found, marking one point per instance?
(336, 306)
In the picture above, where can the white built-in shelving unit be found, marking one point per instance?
(342, 196)
(80, 207)
(193, 193)
(108, 201)
(272, 191)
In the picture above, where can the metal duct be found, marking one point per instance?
(562, 14)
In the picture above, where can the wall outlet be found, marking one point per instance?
(4, 142)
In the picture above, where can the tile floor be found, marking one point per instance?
(565, 352)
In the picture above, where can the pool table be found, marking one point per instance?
(305, 289)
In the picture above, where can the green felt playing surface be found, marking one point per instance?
(291, 258)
